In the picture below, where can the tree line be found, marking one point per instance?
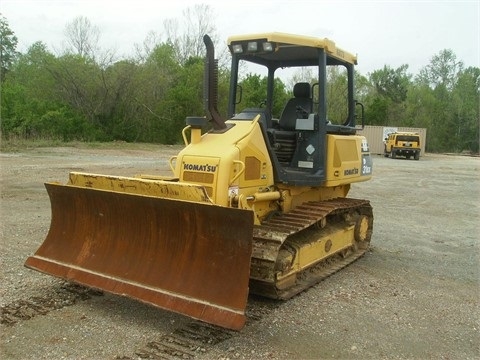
(86, 94)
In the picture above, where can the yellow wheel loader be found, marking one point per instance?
(257, 202)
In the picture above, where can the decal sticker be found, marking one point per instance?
(367, 165)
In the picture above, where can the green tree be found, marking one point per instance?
(452, 95)
(443, 70)
(466, 110)
(386, 104)
(184, 98)
(392, 83)
(363, 89)
(31, 107)
(120, 108)
(8, 47)
(377, 111)
(80, 83)
(254, 93)
(337, 94)
(153, 81)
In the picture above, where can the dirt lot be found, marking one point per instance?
(415, 295)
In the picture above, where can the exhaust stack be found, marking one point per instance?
(211, 86)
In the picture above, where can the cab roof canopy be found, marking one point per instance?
(288, 50)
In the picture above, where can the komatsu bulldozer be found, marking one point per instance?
(256, 203)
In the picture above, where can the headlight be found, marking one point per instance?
(252, 46)
(267, 46)
(237, 49)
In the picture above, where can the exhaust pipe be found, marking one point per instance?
(211, 86)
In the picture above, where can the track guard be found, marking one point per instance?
(190, 258)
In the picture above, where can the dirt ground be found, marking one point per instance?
(414, 295)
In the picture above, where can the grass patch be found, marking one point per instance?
(17, 144)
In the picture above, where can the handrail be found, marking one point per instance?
(170, 162)
(184, 135)
(242, 170)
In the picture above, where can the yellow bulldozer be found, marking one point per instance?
(256, 203)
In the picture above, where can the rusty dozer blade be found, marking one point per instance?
(190, 258)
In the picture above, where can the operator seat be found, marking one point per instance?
(283, 138)
(297, 107)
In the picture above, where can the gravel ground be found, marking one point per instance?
(414, 295)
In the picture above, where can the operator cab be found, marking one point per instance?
(296, 138)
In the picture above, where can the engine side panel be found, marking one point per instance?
(348, 160)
